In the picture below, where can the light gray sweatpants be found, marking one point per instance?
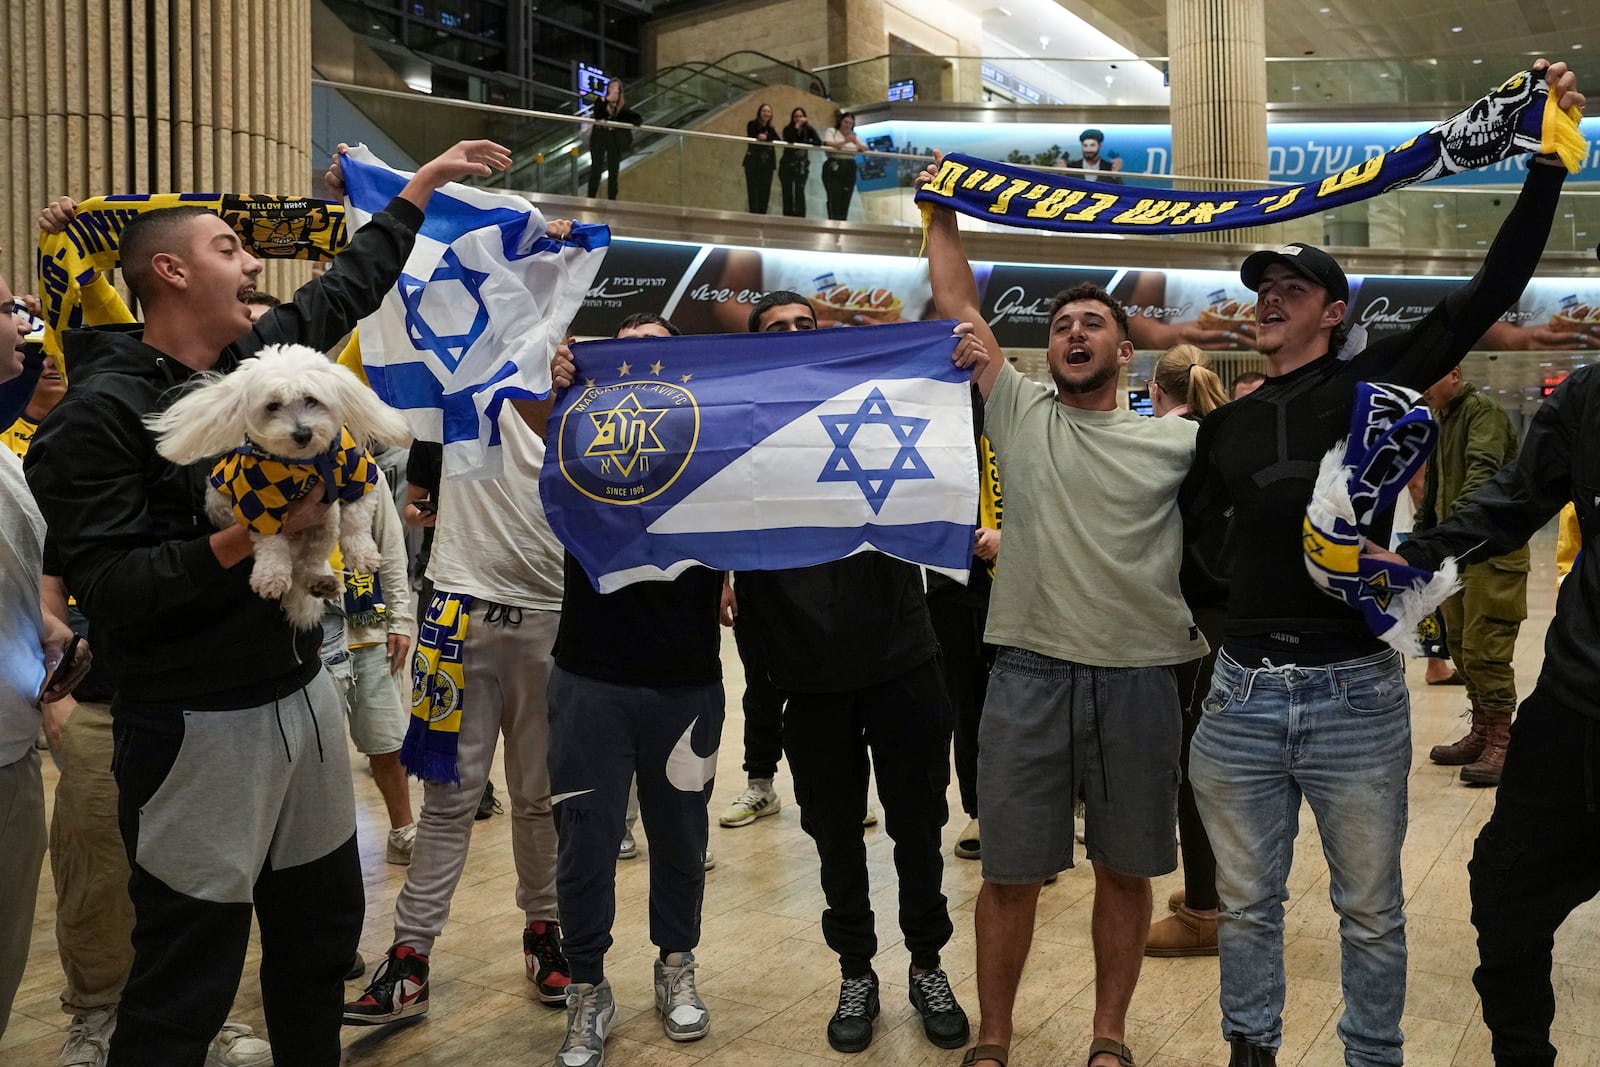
(505, 669)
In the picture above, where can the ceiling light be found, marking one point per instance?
(1324, 10)
(1455, 29)
(1477, 62)
(1577, 47)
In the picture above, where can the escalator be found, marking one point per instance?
(552, 157)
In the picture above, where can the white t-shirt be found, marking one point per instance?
(21, 564)
(492, 539)
(1093, 538)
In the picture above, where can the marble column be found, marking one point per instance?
(1219, 91)
(148, 96)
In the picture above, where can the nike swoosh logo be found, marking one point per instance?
(687, 770)
(556, 798)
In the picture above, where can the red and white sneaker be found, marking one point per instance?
(546, 964)
(399, 990)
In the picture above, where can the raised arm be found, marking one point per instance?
(955, 290)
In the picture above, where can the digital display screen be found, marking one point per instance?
(1139, 402)
(591, 80)
(903, 90)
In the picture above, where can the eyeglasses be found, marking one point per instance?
(1149, 383)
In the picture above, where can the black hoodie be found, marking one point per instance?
(179, 631)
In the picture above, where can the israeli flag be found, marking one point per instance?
(483, 301)
(763, 452)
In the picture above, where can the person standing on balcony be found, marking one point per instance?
(839, 172)
(795, 166)
(608, 144)
(760, 160)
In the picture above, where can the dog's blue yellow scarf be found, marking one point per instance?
(261, 486)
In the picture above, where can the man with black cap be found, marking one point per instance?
(1305, 701)
(1090, 141)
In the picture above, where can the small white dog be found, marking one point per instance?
(290, 422)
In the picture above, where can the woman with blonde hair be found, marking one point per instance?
(1185, 385)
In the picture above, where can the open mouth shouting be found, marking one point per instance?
(1078, 355)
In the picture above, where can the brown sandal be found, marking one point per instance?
(1122, 1052)
(985, 1052)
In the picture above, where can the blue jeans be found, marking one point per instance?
(1339, 736)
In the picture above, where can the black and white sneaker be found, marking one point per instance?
(399, 990)
(942, 1018)
(850, 1029)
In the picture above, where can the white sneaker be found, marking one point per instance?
(708, 859)
(401, 842)
(236, 1045)
(88, 1039)
(683, 1013)
(757, 801)
(629, 849)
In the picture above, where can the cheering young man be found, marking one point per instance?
(1305, 702)
(231, 801)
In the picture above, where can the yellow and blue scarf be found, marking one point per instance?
(271, 227)
(261, 486)
(438, 691)
(1515, 118)
(1391, 437)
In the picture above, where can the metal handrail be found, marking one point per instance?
(705, 135)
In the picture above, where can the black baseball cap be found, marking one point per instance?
(1311, 263)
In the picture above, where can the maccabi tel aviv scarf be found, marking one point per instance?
(1517, 117)
(271, 227)
(1391, 437)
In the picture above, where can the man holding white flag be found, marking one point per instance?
(485, 297)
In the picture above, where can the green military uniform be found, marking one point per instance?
(1476, 439)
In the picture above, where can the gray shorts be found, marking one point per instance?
(1055, 732)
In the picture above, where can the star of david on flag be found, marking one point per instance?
(763, 452)
(482, 302)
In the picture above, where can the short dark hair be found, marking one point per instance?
(264, 300)
(647, 318)
(145, 236)
(1247, 378)
(776, 299)
(1090, 291)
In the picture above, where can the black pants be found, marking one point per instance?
(763, 707)
(839, 180)
(793, 170)
(1536, 860)
(966, 662)
(905, 724)
(605, 154)
(602, 737)
(758, 170)
(1194, 681)
(188, 953)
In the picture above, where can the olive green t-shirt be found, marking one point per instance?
(1088, 567)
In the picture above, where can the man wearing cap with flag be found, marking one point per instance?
(1306, 701)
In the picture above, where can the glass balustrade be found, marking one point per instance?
(677, 168)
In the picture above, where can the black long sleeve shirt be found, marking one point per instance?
(1256, 458)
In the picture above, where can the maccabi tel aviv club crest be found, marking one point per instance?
(627, 440)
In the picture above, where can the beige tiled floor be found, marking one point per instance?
(770, 981)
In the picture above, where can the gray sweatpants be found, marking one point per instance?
(601, 736)
(506, 669)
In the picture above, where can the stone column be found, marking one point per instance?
(151, 96)
(1219, 91)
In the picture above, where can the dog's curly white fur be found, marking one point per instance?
(292, 402)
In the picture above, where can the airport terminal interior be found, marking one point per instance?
(1232, 95)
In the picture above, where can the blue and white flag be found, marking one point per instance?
(483, 301)
(762, 452)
